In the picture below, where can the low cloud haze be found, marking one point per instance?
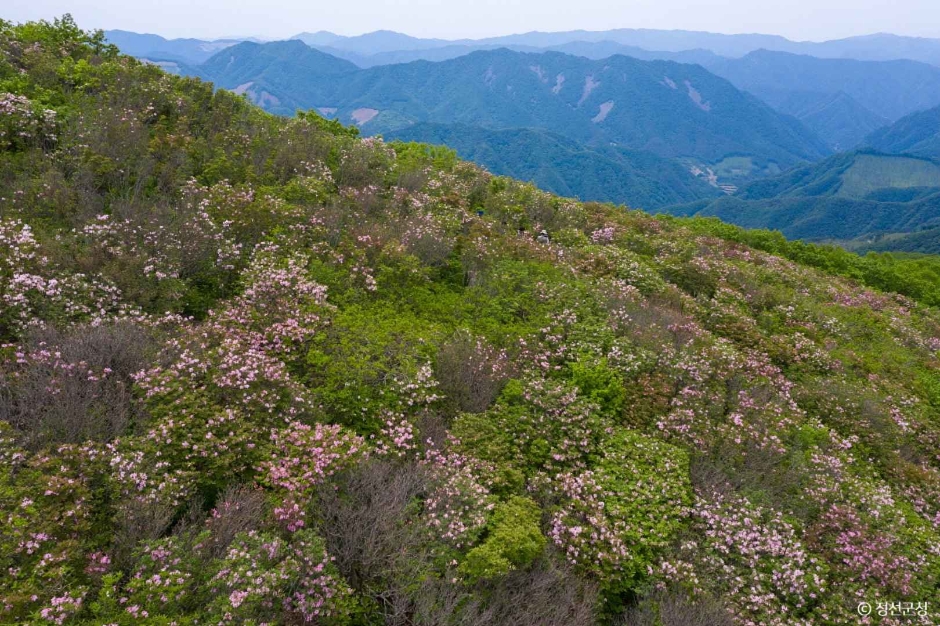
(798, 19)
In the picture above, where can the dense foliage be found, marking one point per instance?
(925, 242)
(257, 370)
(914, 275)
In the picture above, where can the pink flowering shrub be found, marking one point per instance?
(550, 424)
(24, 124)
(755, 559)
(457, 504)
(262, 577)
(281, 307)
(165, 580)
(61, 608)
(396, 436)
(603, 235)
(33, 291)
(303, 458)
(226, 384)
(864, 554)
(179, 244)
(51, 514)
(616, 519)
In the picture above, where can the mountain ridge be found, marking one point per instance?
(878, 46)
(646, 108)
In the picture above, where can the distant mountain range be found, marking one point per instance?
(588, 49)
(674, 111)
(852, 198)
(188, 51)
(841, 99)
(876, 47)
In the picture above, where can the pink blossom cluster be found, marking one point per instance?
(396, 436)
(167, 247)
(21, 121)
(603, 235)
(868, 555)
(262, 575)
(568, 423)
(583, 529)
(320, 591)
(162, 580)
(304, 457)
(610, 519)
(142, 480)
(33, 289)
(763, 569)
(458, 504)
(61, 608)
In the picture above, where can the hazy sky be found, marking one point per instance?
(796, 19)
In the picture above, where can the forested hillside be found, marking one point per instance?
(259, 370)
(565, 167)
(849, 197)
(918, 134)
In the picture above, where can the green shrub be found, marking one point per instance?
(513, 540)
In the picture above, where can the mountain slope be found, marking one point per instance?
(567, 168)
(669, 109)
(371, 375)
(846, 197)
(926, 241)
(917, 134)
(258, 370)
(838, 118)
(850, 175)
